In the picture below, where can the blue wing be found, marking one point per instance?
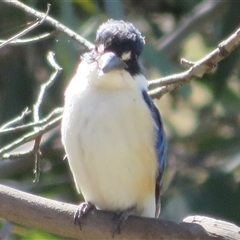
(160, 146)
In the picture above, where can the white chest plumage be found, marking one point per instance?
(108, 135)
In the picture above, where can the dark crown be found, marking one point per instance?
(120, 37)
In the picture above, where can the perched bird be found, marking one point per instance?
(111, 130)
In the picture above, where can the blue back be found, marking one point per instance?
(160, 146)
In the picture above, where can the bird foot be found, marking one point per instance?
(82, 210)
(120, 219)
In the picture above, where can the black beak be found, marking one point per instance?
(110, 61)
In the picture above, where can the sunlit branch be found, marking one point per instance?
(30, 125)
(198, 69)
(36, 109)
(51, 21)
(35, 39)
(25, 31)
(15, 120)
(57, 217)
(5, 151)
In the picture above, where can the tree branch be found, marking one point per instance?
(36, 112)
(198, 68)
(57, 217)
(31, 40)
(4, 152)
(15, 121)
(25, 31)
(46, 85)
(6, 129)
(166, 84)
(35, 152)
(88, 45)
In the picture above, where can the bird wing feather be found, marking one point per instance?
(160, 146)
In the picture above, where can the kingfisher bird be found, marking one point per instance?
(112, 131)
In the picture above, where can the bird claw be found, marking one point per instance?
(82, 210)
(120, 219)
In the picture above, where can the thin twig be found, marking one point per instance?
(46, 85)
(37, 153)
(38, 131)
(186, 62)
(35, 39)
(4, 152)
(29, 126)
(17, 156)
(25, 31)
(36, 109)
(15, 120)
(88, 45)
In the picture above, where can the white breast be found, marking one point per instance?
(108, 135)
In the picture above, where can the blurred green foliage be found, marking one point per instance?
(201, 118)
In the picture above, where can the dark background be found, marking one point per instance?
(201, 118)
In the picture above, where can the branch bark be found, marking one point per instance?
(57, 217)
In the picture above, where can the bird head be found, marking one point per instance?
(118, 46)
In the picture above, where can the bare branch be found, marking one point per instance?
(186, 62)
(4, 152)
(25, 31)
(37, 153)
(210, 224)
(17, 156)
(162, 85)
(88, 45)
(198, 69)
(38, 131)
(57, 217)
(33, 39)
(29, 126)
(46, 85)
(15, 120)
(36, 108)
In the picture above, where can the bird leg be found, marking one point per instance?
(120, 219)
(82, 210)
